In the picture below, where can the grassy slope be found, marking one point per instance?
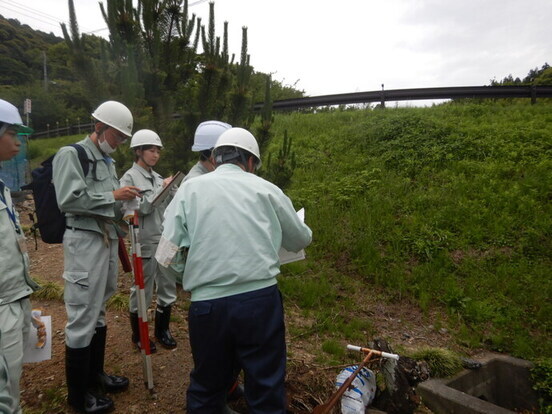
(449, 205)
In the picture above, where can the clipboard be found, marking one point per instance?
(176, 180)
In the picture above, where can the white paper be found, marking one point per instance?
(166, 251)
(34, 354)
(285, 255)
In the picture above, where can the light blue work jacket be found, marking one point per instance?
(234, 224)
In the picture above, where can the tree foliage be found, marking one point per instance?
(536, 76)
(160, 60)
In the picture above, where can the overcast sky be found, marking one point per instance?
(345, 46)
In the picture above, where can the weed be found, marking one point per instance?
(541, 374)
(53, 402)
(119, 302)
(334, 348)
(441, 362)
(48, 291)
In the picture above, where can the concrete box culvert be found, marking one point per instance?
(501, 385)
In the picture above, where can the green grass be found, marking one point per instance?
(118, 302)
(53, 401)
(441, 362)
(41, 149)
(48, 291)
(448, 205)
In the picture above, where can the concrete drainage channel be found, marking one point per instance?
(502, 385)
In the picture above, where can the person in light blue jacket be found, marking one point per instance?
(92, 204)
(147, 146)
(16, 284)
(232, 224)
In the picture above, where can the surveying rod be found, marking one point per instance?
(141, 300)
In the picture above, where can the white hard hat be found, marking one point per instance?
(145, 137)
(240, 138)
(207, 133)
(10, 115)
(116, 115)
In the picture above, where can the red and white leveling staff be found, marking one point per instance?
(327, 408)
(141, 299)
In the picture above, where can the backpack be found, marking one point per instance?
(50, 220)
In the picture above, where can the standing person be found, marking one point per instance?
(15, 283)
(205, 138)
(233, 224)
(147, 146)
(90, 245)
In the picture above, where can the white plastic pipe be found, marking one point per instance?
(383, 354)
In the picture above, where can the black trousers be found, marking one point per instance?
(245, 330)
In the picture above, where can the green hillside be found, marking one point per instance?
(449, 206)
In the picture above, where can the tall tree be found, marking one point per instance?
(82, 61)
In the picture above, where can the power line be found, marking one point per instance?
(30, 17)
(34, 13)
(31, 10)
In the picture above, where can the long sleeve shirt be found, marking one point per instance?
(197, 170)
(15, 281)
(150, 218)
(87, 201)
(234, 224)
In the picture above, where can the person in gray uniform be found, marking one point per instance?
(15, 282)
(205, 138)
(92, 205)
(147, 146)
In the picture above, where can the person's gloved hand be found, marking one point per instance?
(40, 327)
(129, 207)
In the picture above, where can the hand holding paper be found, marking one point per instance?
(285, 255)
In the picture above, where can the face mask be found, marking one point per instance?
(105, 147)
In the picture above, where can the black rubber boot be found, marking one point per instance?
(109, 383)
(77, 373)
(162, 332)
(136, 333)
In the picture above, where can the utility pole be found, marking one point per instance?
(45, 69)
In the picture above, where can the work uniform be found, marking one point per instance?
(151, 224)
(197, 170)
(176, 268)
(233, 224)
(90, 242)
(6, 400)
(15, 307)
